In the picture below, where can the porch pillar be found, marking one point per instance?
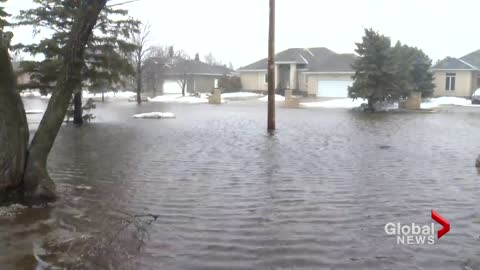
(293, 76)
(276, 77)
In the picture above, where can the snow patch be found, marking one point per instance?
(441, 101)
(33, 112)
(240, 95)
(30, 93)
(84, 187)
(277, 98)
(346, 103)
(155, 115)
(180, 99)
(108, 95)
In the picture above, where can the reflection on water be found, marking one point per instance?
(315, 195)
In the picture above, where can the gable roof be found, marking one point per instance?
(259, 65)
(452, 63)
(470, 61)
(473, 59)
(316, 60)
(177, 66)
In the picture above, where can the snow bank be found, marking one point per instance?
(180, 99)
(34, 112)
(437, 102)
(46, 97)
(240, 95)
(349, 103)
(154, 115)
(30, 93)
(346, 103)
(108, 95)
(277, 98)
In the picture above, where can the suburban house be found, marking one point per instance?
(458, 77)
(22, 78)
(168, 76)
(314, 72)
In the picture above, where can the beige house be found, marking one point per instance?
(314, 72)
(458, 77)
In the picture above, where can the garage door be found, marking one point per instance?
(333, 88)
(172, 87)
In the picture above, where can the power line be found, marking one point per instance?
(123, 3)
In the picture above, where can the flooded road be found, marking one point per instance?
(315, 195)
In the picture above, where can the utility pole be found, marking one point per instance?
(271, 68)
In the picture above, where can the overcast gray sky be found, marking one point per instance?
(236, 30)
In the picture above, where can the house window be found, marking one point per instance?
(450, 82)
(305, 78)
(266, 77)
(478, 81)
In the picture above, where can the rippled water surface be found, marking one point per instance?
(315, 195)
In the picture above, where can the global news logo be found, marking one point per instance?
(415, 234)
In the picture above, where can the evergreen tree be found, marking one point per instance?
(3, 16)
(106, 61)
(375, 78)
(422, 77)
(403, 58)
(413, 70)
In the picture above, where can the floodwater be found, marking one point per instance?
(314, 195)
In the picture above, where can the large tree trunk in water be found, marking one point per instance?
(37, 183)
(77, 109)
(13, 128)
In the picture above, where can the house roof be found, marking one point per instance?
(452, 63)
(470, 61)
(178, 66)
(316, 60)
(473, 59)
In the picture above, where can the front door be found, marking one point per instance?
(283, 77)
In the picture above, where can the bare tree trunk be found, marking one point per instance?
(77, 109)
(271, 68)
(103, 96)
(37, 183)
(139, 82)
(184, 86)
(154, 89)
(371, 103)
(13, 128)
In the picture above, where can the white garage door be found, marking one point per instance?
(333, 88)
(172, 87)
